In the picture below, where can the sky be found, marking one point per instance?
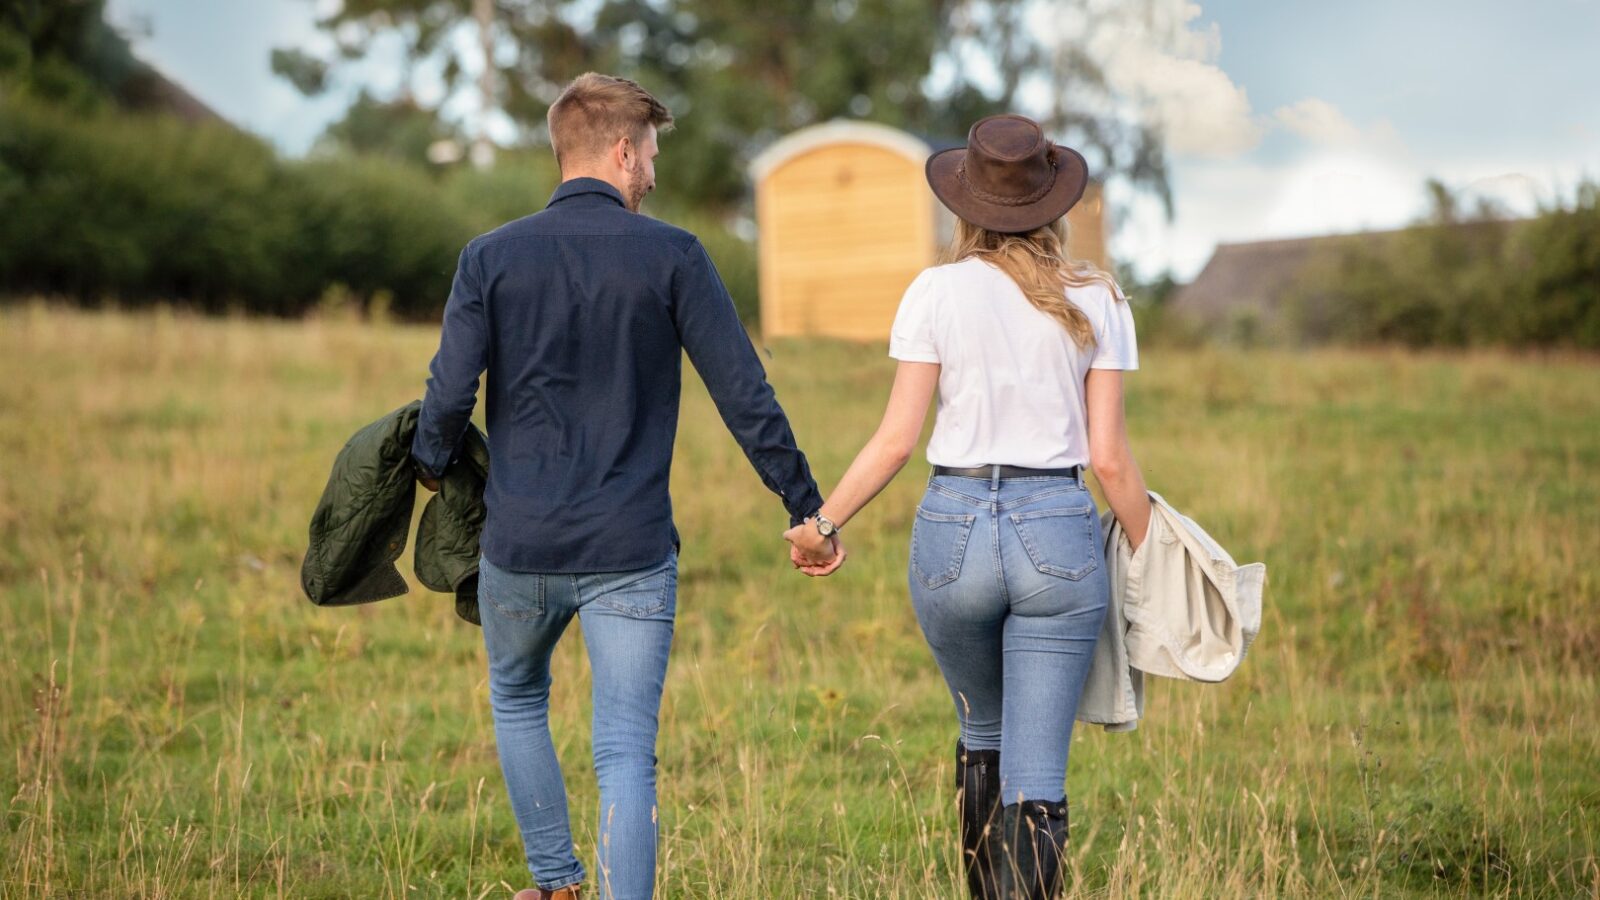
(1281, 119)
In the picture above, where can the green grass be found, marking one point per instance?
(1419, 717)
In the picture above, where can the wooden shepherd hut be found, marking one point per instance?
(846, 221)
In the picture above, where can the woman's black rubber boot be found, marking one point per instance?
(1033, 837)
(978, 786)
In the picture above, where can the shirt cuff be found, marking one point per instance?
(425, 469)
(797, 518)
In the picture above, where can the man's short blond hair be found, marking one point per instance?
(595, 111)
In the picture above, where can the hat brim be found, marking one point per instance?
(1072, 177)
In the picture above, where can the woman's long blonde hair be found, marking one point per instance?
(1037, 261)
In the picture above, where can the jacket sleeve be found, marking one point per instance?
(453, 374)
(720, 349)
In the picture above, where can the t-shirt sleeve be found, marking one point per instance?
(911, 337)
(1115, 345)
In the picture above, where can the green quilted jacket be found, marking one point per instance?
(359, 528)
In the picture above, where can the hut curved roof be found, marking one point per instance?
(838, 131)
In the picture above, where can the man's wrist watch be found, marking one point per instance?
(825, 526)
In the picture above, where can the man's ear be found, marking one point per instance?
(622, 151)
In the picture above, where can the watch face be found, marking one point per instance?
(827, 528)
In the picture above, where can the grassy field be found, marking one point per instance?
(1420, 716)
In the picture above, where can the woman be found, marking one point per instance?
(1007, 578)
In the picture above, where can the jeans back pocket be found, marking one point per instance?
(938, 544)
(514, 595)
(639, 594)
(1059, 541)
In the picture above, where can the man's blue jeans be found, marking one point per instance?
(1010, 590)
(627, 620)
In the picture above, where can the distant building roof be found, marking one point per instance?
(1246, 284)
(1252, 277)
(148, 90)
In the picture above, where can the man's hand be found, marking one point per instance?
(815, 569)
(812, 553)
(428, 481)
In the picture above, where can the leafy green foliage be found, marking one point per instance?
(398, 129)
(738, 75)
(1461, 280)
(65, 52)
(376, 225)
(1557, 259)
(126, 205)
(308, 74)
(144, 207)
(518, 184)
(141, 208)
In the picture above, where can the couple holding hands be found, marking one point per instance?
(581, 313)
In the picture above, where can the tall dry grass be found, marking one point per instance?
(1419, 717)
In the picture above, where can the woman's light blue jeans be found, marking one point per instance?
(627, 620)
(1010, 589)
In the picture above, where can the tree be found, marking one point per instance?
(64, 51)
(738, 75)
(400, 129)
(529, 39)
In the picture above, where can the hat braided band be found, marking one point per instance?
(1002, 200)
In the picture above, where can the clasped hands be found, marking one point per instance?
(812, 553)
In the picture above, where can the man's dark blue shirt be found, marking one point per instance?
(580, 314)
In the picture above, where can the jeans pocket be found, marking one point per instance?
(938, 544)
(639, 596)
(514, 595)
(1059, 541)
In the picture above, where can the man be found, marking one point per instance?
(580, 314)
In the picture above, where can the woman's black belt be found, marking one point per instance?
(1006, 472)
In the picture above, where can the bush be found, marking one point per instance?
(374, 225)
(1556, 261)
(519, 184)
(1534, 282)
(137, 207)
(142, 208)
(734, 257)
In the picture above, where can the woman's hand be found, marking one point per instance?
(812, 553)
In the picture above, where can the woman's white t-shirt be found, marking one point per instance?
(1011, 379)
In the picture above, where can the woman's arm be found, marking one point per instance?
(1110, 457)
(884, 455)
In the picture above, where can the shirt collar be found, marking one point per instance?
(577, 186)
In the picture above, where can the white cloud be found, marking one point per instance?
(1321, 123)
(1201, 112)
(1162, 64)
(1161, 60)
(1318, 121)
(1342, 191)
(1516, 193)
(1331, 191)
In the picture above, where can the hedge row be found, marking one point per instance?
(1532, 282)
(142, 209)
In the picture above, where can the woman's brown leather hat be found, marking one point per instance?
(1009, 177)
